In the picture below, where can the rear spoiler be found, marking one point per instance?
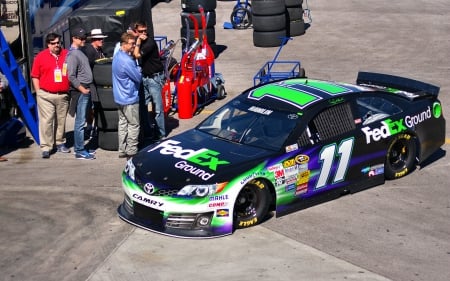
(396, 82)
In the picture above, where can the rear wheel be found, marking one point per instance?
(252, 204)
(400, 158)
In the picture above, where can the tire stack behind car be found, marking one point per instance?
(187, 28)
(294, 22)
(108, 118)
(275, 19)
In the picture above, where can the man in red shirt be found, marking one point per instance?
(51, 83)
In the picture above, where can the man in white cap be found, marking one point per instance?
(93, 51)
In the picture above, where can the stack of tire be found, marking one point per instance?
(275, 19)
(107, 115)
(269, 22)
(187, 27)
(294, 13)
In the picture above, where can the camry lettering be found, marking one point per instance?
(389, 128)
(147, 200)
(202, 157)
(411, 121)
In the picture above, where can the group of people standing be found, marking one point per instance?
(64, 84)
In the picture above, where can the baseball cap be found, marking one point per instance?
(78, 32)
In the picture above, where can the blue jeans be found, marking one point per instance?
(80, 120)
(152, 92)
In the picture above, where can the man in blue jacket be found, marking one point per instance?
(126, 76)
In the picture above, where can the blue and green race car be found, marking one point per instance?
(280, 147)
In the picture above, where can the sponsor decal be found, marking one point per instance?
(303, 177)
(222, 213)
(301, 189)
(290, 187)
(291, 180)
(301, 159)
(184, 166)
(218, 197)
(411, 121)
(373, 170)
(260, 110)
(388, 129)
(217, 204)
(278, 173)
(248, 222)
(203, 157)
(291, 147)
(147, 200)
(280, 181)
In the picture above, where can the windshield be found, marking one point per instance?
(251, 125)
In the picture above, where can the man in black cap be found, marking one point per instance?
(80, 78)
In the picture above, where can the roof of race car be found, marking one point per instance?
(300, 93)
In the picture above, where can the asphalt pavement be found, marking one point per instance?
(58, 216)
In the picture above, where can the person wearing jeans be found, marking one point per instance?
(153, 88)
(80, 77)
(147, 52)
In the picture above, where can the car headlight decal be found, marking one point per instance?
(201, 190)
(130, 169)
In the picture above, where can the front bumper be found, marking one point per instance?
(208, 224)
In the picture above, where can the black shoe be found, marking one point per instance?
(46, 154)
(123, 155)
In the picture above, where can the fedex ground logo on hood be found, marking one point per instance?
(202, 157)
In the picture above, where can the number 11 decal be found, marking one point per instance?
(328, 155)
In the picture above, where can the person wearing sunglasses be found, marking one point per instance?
(51, 83)
(81, 80)
(147, 52)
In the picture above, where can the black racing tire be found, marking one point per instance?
(192, 5)
(252, 204)
(210, 23)
(108, 140)
(221, 93)
(293, 3)
(401, 156)
(241, 18)
(269, 23)
(296, 28)
(108, 119)
(267, 7)
(268, 38)
(294, 13)
(106, 98)
(102, 73)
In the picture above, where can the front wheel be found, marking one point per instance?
(252, 204)
(400, 158)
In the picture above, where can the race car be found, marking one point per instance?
(280, 147)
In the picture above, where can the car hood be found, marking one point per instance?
(194, 157)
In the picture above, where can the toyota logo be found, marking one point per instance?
(149, 188)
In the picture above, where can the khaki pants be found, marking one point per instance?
(129, 127)
(52, 110)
